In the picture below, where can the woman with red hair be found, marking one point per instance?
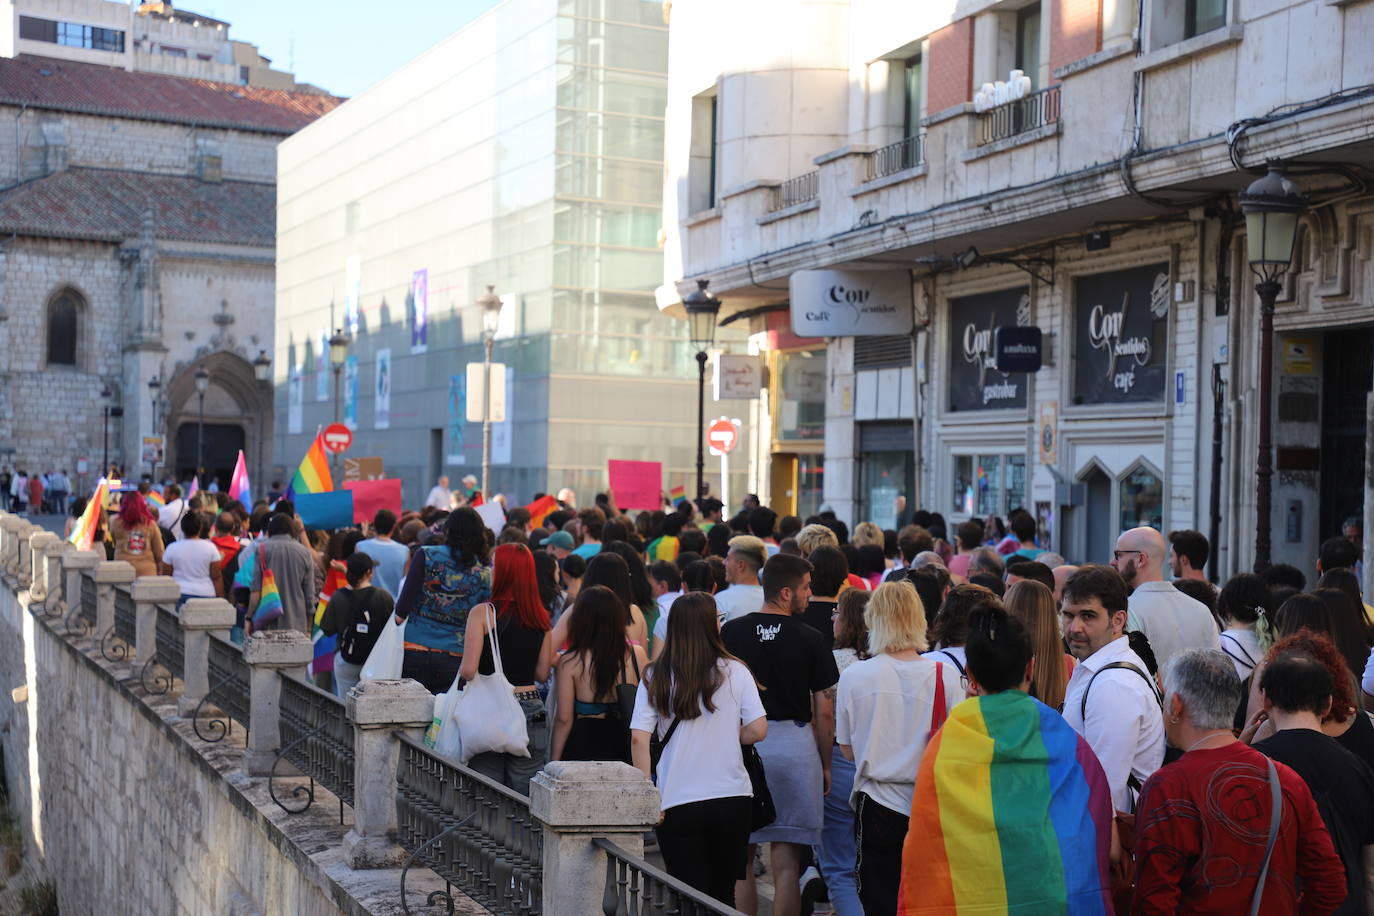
(137, 539)
(523, 633)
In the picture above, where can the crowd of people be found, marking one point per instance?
(909, 721)
(39, 494)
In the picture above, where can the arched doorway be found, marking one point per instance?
(237, 415)
(221, 451)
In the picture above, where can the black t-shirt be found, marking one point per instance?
(520, 648)
(788, 658)
(357, 615)
(818, 616)
(1343, 788)
(1358, 739)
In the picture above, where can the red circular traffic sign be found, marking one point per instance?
(336, 438)
(722, 436)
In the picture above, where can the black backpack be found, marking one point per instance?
(356, 644)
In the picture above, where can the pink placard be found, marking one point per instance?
(637, 484)
(371, 495)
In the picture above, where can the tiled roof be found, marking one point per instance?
(44, 82)
(108, 205)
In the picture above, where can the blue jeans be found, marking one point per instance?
(838, 852)
(346, 676)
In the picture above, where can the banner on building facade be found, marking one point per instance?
(419, 311)
(1121, 336)
(847, 303)
(974, 380)
(350, 392)
(353, 293)
(322, 368)
(382, 389)
(295, 401)
(457, 418)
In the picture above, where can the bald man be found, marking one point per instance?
(1061, 575)
(1170, 620)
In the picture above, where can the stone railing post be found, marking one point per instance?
(267, 653)
(576, 801)
(9, 542)
(23, 567)
(198, 617)
(38, 567)
(109, 574)
(376, 709)
(149, 592)
(76, 564)
(55, 602)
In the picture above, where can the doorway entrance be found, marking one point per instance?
(222, 444)
(1347, 356)
(1097, 511)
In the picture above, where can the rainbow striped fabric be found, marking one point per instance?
(313, 474)
(676, 493)
(155, 500)
(83, 532)
(541, 509)
(322, 659)
(269, 601)
(1011, 814)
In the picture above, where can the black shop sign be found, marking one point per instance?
(1121, 336)
(974, 382)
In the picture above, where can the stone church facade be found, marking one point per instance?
(137, 242)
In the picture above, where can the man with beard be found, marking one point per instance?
(1170, 620)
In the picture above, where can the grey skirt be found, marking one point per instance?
(793, 767)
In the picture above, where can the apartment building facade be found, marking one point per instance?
(1070, 166)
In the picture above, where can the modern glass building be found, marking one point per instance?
(525, 152)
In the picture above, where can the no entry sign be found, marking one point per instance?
(722, 436)
(336, 438)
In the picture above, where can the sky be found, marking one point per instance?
(342, 46)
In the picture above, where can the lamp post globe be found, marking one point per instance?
(702, 311)
(1273, 207)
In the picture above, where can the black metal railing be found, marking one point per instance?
(906, 153)
(229, 689)
(169, 653)
(796, 190)
(81, 612)
(633, 886)
(88, 599)
(473, 832)
(116, 641)
(317, 739)
(1018, 116)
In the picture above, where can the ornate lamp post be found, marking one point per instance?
(105, 394)
(154, 390)
(702, 311)
(338, 353)
(491, 320)
(1272, 206)
(202, 385)
(262, 371)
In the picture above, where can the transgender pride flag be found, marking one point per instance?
(238, 484)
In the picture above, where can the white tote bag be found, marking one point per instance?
(488, 715)
(388, 652)
(442, 734)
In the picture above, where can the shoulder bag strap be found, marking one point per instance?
(634, 660)
(955, 661)
(1083, 706)
(499, 671)
(939, 710)
(1276, 797)
(668, 735)
(1247, 660)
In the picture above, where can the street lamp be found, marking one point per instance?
(202, 385)
(338, 352)
(105, 395)
(154, 390)
(262, 371)
(490, 304)
(702, 310)
(1272, 206)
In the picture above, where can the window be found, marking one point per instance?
(913, 75)
(801, 395)
(703, 167)
(170, 51)
(1203, 16)
(1028, 43)
(988, 484)
(1142, 499)
(63, 321)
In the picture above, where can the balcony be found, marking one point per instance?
(905, 154)
(1019, 116)
(796, 191)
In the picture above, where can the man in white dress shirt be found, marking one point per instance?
(1170, 620)
(1111, 699)
(440, 496)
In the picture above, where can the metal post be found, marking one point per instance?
(701, 423)
(1214, 499)
(334, 456)
(1268, 291)
(486, 418)
(152, 465)
(200, 442)
(105, 451)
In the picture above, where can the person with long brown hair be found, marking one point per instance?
(523, 635)
(588, 724)
(1033, 604)
(137, 539)
(703, 704)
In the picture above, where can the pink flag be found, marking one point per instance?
(195, 487)
(238, 484)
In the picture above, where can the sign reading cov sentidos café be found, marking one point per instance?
(851, 303)
(1121, 336)
(974, 382)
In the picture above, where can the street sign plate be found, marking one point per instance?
(336, 438)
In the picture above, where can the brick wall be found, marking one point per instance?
(1075, 30)
(951, 66)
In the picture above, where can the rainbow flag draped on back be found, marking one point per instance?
(541, 509)
(269, 601)
(155, 500)
(83, 532)
(1011, 814)
(323, 659)
(313, 474)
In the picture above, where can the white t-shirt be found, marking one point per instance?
(883, 711)
(190, 559)
(703, 761)
(739, 600)
(169, 516)
(1242, 645)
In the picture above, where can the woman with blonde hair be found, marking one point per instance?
(865, 534)
(887, 708)
(1033, 604)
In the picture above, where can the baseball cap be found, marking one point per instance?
(559, 539)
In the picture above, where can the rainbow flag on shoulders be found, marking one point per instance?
(155, 500)
(322, 658)
(1011, 814)
(269, 601)
(313, 475)
(83, 532)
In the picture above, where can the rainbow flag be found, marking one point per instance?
(83, 532)
(1011, 814)
(676, 493)
(313, 474)
(541, 509)
(323, 658)
(238, 484)
(155, 500)
(269, 601)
